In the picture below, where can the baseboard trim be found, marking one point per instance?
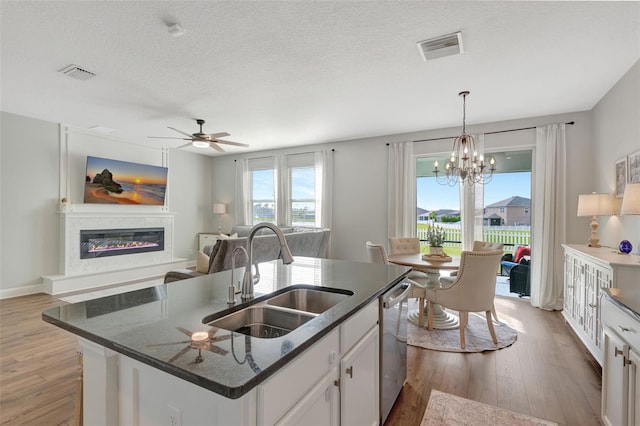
(9, 293)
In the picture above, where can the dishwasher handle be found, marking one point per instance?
(392, 302)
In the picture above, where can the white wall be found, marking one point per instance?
(30, 193)
(360, 176)
(616, 134)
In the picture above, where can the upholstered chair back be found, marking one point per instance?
(484, 246)
(404, 246)
(475, 285)
(376, 253)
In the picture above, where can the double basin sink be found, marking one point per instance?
(281, 313)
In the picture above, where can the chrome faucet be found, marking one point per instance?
(232, 287)
(285, 255)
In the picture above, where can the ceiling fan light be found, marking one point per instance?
(200, 144)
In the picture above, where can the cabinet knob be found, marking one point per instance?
(617, 351)
(592, 305)
(350, 372)
(623, 329)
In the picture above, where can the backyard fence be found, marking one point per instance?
(508, 235)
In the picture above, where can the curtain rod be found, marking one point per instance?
(570, 123)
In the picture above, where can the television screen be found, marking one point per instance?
(121, 182)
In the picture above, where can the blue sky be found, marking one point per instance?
(433, 196)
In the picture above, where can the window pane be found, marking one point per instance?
(263, 196)
(302, 186)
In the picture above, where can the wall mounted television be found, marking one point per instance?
(121, 182)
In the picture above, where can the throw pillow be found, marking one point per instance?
(228, 237)
(202, 262)
(522, 251)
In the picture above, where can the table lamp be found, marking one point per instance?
(219, 208)
(631, 199)
(595, 205)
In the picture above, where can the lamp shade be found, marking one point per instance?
(595, 205)
(219, 208)
(631, 199)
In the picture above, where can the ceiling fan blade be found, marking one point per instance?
(179, 354)
(180, 131)
(184, 331)
(231, 143)
(215, 146)
(217, 350)
(168, 137)
(185, 145)
(217, 135)
(169, 344)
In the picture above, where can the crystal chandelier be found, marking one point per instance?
(465, 165)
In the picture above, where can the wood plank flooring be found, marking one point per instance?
(545, 373)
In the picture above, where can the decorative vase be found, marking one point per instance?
(436, 251)
(625, 246)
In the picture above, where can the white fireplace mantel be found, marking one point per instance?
(77, 273)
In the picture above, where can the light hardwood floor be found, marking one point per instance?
(545, 373)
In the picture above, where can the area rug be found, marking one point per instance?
(446, 409)
(477, 337)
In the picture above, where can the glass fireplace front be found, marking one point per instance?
(116, 242)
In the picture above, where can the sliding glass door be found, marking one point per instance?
(505, 203)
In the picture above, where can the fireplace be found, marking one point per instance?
(117, 242)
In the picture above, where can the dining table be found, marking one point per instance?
(431, 266)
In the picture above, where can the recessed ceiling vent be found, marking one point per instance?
(438, 47)
(76, 72)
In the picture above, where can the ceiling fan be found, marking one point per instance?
(202, 140)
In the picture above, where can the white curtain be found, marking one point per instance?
(549, 217)
(324, 187)
(243, 191)
(472, 205)
(401, 190)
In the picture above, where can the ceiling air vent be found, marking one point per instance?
(77, 72)
(438, 47)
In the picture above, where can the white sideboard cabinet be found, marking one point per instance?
(586, 271)
(620, 372)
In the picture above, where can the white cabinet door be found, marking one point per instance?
(320, 406)
(359, 403)
(615, 380)
(634, 388)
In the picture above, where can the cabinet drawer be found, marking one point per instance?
(622, 323)
(278, 394)
(357, 326)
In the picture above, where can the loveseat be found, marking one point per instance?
(302, 241)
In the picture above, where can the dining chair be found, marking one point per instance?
(473, 290)
(477, 246)
(378, 254)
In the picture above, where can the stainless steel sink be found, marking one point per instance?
(281, 313)
(308, 299)
(262, 321)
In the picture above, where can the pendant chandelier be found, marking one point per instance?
(465, 165)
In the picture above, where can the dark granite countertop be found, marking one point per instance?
(627, 300)
(153, 325)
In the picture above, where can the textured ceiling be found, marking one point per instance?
(276, 74)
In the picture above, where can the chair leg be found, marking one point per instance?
(493, 312)
(491, 330)
(430, 316)
(421, 312)
(463, 317)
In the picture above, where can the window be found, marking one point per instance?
(263, 190)
(501, 209)
(301, 190)
(288, 190)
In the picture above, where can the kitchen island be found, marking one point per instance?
(142, 365)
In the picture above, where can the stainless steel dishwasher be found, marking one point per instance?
(393, 345)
